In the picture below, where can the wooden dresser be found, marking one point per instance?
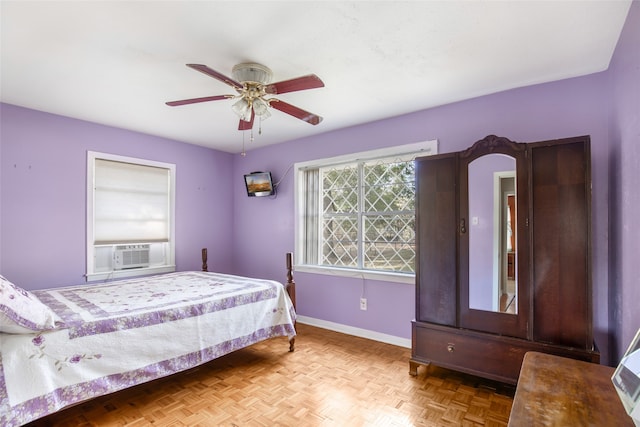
(557, 391)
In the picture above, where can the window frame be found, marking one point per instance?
(417, 149)
(169, 265)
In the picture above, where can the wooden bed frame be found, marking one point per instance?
(290, 286)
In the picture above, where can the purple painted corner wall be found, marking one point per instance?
(42, 199)
(43, 195)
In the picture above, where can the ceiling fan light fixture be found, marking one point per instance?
(261, 108)
(242, 109)
(250, 72)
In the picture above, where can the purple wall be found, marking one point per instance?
(624, 184)
(43, 195)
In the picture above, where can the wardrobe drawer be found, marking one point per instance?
(485, 355)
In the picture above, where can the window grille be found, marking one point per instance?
(359, 214)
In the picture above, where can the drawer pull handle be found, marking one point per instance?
(451, 348)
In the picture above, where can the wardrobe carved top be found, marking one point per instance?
(493, 144)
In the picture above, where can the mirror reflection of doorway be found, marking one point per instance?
(491, 178)
(507, 239)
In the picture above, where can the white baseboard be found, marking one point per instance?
(358, 332)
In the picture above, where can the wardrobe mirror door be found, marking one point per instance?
(492, 234)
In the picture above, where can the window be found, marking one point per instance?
(356, 213)
(130, 216)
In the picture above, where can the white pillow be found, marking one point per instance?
(22, 312)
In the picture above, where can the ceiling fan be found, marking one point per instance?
(253, 84)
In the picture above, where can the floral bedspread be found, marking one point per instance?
(119, 334)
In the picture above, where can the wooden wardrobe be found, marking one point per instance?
(503, 256)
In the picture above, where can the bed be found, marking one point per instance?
(62, 346)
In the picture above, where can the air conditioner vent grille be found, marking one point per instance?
(131, 256)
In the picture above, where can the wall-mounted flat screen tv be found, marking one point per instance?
(259, 184)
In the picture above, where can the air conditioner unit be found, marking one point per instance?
(131, 256)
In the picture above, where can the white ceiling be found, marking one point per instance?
(117, 62)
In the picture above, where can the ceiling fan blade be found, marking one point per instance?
(196, 100)
(247, 125)
(216, 75)
(296, 112)
(310, 81)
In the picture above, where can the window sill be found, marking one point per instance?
(134, 272)
(383, 276)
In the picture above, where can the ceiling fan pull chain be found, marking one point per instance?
(244, 153)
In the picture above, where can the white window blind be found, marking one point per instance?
(130, 209)
(131, 203)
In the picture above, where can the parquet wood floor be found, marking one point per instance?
(331, 379)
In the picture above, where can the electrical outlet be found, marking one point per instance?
(363, 303)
